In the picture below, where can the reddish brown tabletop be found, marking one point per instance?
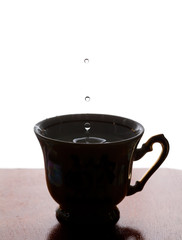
(27, 211)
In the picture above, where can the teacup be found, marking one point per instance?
(88, 164)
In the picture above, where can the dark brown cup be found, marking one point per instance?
(89, 178)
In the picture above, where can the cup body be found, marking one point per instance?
(88, 176)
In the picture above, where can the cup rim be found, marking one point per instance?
(40, 126)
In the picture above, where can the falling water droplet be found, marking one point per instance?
(87, 126)
(87, 98)
(86, 60)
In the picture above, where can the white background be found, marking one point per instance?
(135, 69)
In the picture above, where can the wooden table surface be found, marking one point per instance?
(27, 211)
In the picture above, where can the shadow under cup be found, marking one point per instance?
(88, 164)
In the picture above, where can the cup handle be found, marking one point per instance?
(139, 153)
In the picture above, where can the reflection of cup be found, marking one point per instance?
(87, 176)
(90, 232)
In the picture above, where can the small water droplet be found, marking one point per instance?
(86, 60)
(87, 98)
(87, 126)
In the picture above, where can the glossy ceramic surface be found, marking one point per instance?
(89, 180)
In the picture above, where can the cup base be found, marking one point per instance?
(109, 217)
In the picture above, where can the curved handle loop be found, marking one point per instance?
(147, 147)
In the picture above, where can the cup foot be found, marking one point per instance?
(109, 217)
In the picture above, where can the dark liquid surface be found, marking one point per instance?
(99, 131)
